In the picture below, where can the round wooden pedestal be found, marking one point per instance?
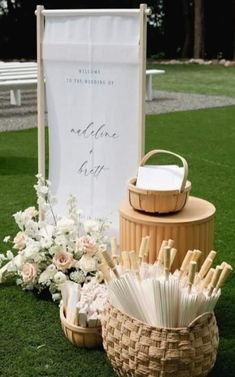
(192, 228)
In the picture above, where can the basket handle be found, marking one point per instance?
(184, 162)
(200, 319)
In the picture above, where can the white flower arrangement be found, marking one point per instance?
(54, 249)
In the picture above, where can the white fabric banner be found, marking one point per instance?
(92, 89)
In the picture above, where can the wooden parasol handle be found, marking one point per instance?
(184, 162)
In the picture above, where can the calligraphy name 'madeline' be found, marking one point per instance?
(98, 132)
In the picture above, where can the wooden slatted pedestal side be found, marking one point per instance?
(192, 228)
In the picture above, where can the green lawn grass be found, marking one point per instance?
(31, 340)
(193, 78)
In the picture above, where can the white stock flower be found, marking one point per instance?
(20, 219)
(32, 251)
(60, 240)
(11, 267)
(6, 239)
(56, 297)
(46, 242)
(2, 258)
(31, 212)
(60, 277)
(52, 251)
(65, 225)
(91, 226)
(31, 228)
(9, 254)
(19, 261)
(46, 230)
(43, 190)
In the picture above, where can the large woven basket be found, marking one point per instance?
(80, 336)
(155, 201)
(137, 349)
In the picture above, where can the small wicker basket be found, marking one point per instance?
(80, 336)
(155, 201)
(137, 349)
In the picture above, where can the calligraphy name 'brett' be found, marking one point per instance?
(98, 132)
(95, 171)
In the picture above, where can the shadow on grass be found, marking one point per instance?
(13, 165)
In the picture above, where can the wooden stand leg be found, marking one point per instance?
(149, 90)
(15, 97)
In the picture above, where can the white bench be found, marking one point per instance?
(17, 76)
(149, 82)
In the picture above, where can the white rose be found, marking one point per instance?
(55, 249)
(65, 225)
(43, 277)
(60, 278)
(91, 226)
(48, 274)
(87, 263)
(51, 269)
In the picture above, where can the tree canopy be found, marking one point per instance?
(176, 29)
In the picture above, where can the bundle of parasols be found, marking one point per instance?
(155, 295)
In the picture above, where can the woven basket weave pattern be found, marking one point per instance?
(137, 349)
(157, 201)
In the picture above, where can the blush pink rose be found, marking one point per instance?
(29, 273)
(63, 260)
(20, 241)
(86, 244)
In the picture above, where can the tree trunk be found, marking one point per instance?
(199, 30)
(188, 29)
(233, 13)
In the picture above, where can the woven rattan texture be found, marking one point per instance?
(137, 349)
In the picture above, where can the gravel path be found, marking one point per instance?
(25, 116)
